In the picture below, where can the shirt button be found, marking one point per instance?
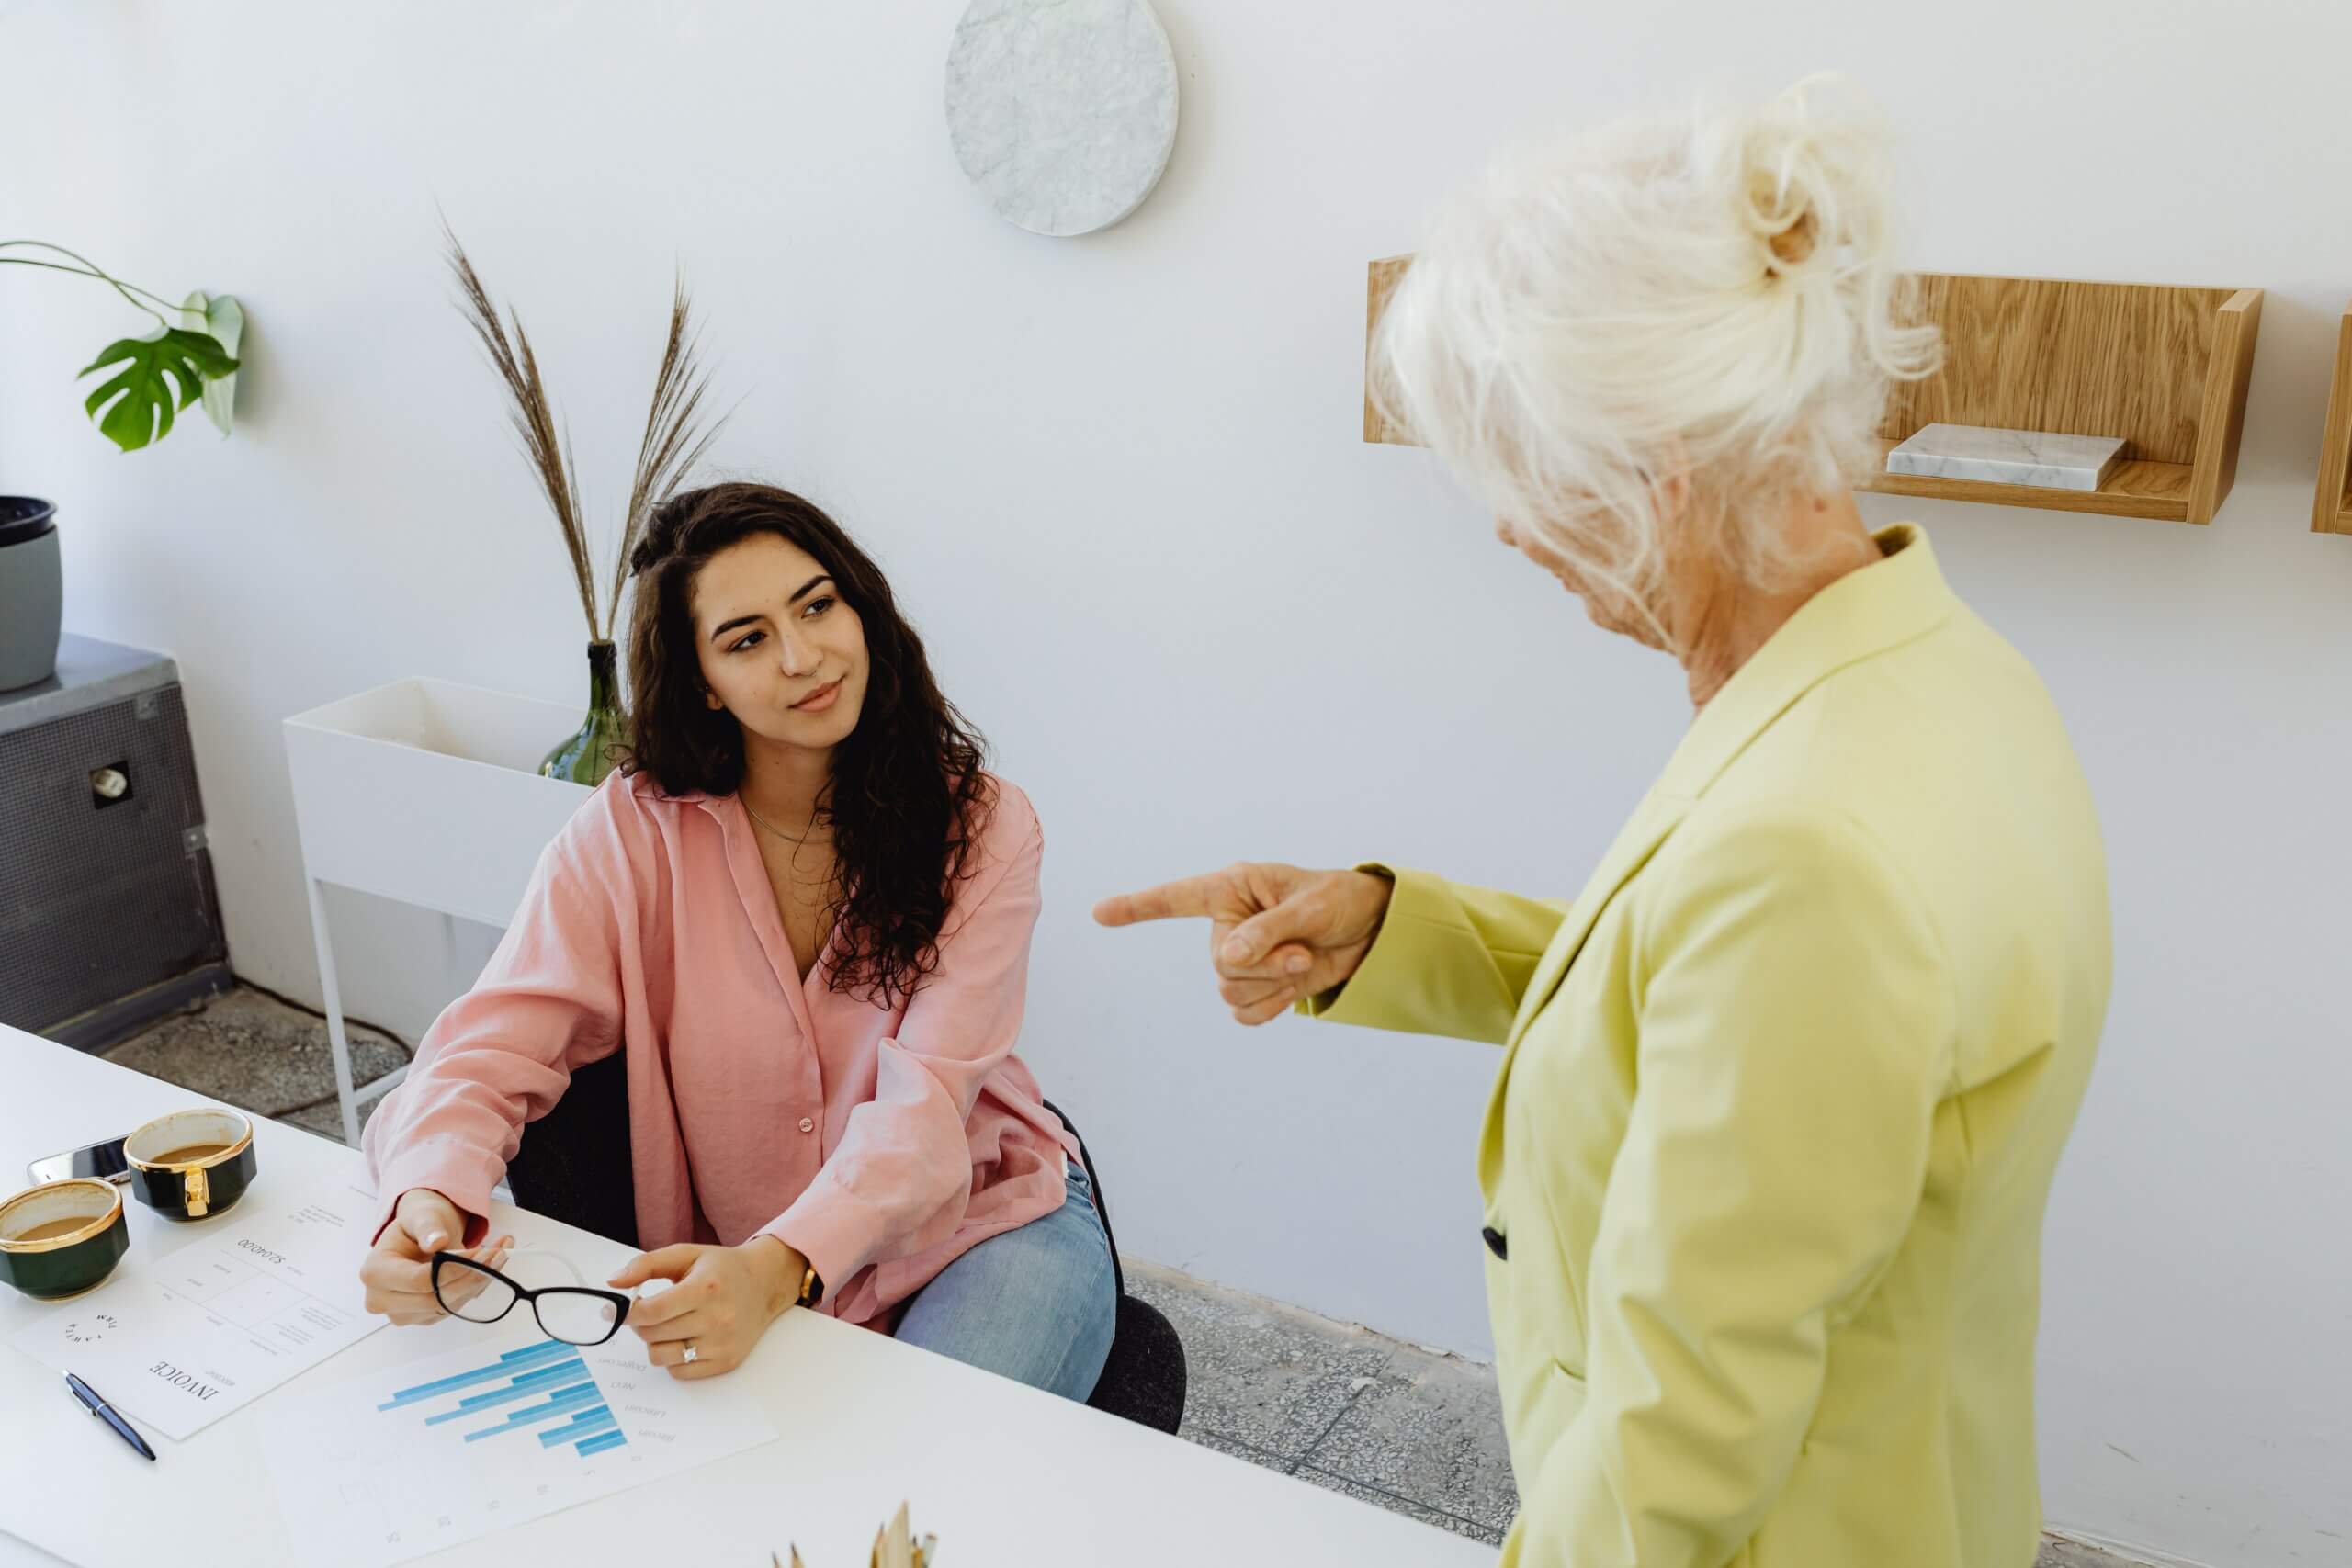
(807, 1125)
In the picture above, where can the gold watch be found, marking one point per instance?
(812, 1289)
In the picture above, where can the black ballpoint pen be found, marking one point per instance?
(105, 1412)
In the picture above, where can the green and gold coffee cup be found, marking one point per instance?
(191, 1163)
(62, 1237)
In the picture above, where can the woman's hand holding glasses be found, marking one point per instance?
(723, 1300)
(398, 1270)
(719, 1302)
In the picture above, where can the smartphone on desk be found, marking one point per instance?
(104, 1161)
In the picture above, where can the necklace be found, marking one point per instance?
(779, 832)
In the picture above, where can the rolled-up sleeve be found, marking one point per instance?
(548, 1000)
(1796, 1036)
(901, 1178)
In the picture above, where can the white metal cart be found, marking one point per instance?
(426, 792)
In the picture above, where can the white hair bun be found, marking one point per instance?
(1813, 189)
(1711, 294)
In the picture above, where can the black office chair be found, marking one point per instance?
(574, 1165)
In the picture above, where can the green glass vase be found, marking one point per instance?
(591, 752)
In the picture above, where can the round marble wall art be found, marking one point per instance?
(1062, 112)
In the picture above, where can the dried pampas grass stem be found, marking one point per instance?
(675, 440)
(672, 443)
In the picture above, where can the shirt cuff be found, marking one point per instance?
(1414, 895)
(825, 1226)
(464, 1176)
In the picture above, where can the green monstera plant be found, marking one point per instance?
(157, 377)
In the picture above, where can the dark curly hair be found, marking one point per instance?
(908, 799)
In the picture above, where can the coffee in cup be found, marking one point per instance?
(190, 1164)
(62, 1237)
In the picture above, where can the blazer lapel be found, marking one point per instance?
(1863, 614)
(1657, 816)
(1649, 826)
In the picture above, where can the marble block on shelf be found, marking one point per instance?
(2008, 456)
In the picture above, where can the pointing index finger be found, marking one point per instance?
(1194, 896)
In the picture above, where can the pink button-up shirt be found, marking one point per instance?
(881, 1143)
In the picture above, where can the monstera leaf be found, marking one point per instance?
(223, 317)
(142, 394)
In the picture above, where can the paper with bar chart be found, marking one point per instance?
(453, 1444)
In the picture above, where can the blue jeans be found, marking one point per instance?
(1036, 1304)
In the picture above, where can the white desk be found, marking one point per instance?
(1002, 1474)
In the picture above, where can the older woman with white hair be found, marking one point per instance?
(1783, 1088)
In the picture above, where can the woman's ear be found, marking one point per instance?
(1671, 486)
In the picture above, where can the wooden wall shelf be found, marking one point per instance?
(2332, 506)
(1386, 275)
(2164, 368)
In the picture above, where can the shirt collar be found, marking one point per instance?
(1864, 612)
(644, 785)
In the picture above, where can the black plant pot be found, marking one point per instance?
(32, 592)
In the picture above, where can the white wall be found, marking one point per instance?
(1118, 479)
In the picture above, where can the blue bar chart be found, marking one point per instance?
(546, 1390)
(470, 1432)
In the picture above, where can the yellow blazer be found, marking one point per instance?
(1781, 1095)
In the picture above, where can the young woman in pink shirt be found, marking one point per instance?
(801, 911)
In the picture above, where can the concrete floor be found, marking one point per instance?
(1338, 1406)
(1381, 1420)
(1334, 1404)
